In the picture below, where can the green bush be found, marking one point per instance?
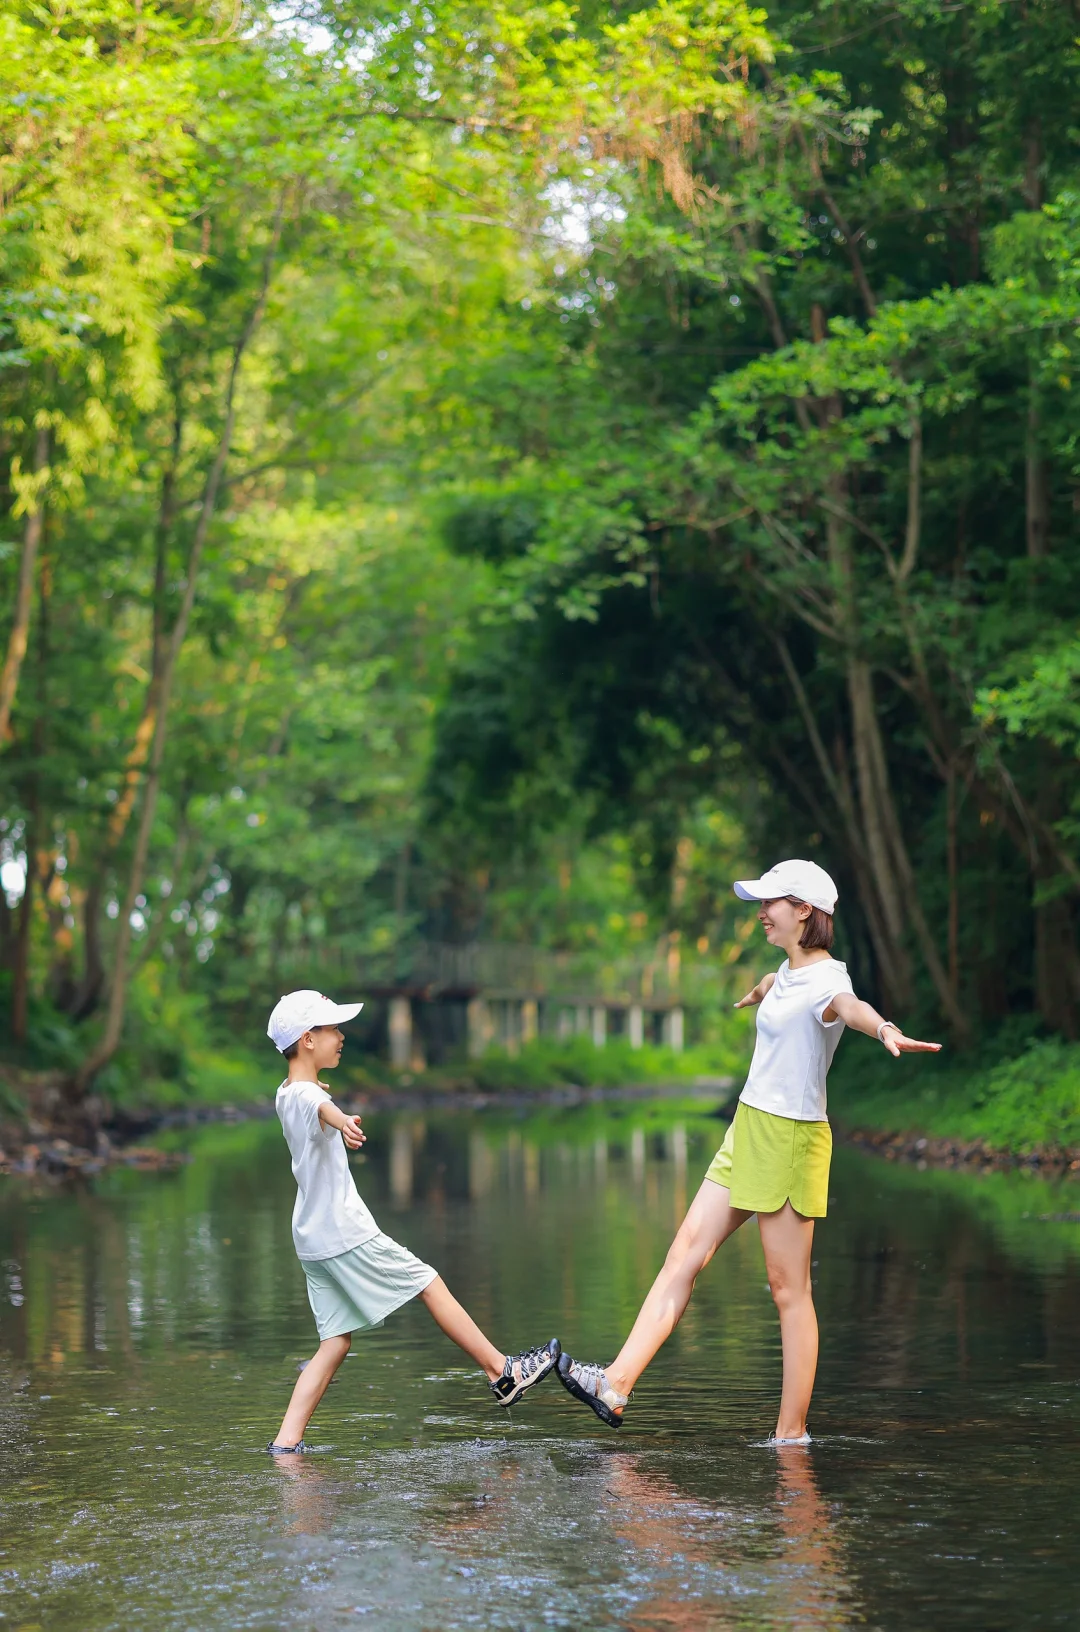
(1026, 1099)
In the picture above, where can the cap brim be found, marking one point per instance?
(749, 889)
(341, 1011)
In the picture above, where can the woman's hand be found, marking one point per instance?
(762, 989)
(894, 1040)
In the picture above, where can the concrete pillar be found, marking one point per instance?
(401, 1040)
(599, 1026)
(635, 1025)
(480, 1026)
(673, 1030)
(581, 1020)
(565, 1027)
(401, 1161)
(530, 1020)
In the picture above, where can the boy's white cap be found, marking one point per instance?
(298, 1012)
(803, 879)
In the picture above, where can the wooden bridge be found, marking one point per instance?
(430, 1000)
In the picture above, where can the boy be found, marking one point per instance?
(356, 1276)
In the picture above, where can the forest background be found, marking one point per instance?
(501, 472)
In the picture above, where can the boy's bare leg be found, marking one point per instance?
(461, 1328)
(707, 1225)
(787, 1239)
(311, 1385)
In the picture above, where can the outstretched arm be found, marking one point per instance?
(349, 1126)
(762, 989)
(864, 1017)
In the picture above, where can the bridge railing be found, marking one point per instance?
(434, 969)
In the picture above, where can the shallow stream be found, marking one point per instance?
(151, 1324)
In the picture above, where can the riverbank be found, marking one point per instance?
(1022, 1111)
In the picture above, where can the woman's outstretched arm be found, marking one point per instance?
(864, 1017)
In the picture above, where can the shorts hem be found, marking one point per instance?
(372, 1324)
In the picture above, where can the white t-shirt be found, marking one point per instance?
(329, 1217)
(795, 1046)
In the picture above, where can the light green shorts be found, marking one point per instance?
(766, 1160)
(358, 1289)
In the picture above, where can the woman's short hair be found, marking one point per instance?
(817, 935)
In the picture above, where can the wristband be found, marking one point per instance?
(882, 1026)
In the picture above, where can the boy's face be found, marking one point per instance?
(326, 1045)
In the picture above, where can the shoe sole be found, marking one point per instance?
(554, 1348)
(604, 1412)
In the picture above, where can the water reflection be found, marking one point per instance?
(150, 1327)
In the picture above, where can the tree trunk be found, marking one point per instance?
(1036, 483)
(24, 595)
(1057, 963)
(20, 986)
(20, 983)
(883, 881)
(114, 1019)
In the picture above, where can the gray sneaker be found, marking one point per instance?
(523, 1371)
(590, 1385)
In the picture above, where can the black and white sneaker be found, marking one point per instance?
(523, 1371)
(590, 1385)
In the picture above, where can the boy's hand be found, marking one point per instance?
(352, 1133)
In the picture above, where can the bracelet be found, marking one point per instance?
(882, 1026)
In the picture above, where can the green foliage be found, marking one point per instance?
(1018, 1102)
(549, 1064)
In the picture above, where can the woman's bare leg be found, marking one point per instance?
(787, 1239)
(311, 1385)
(707, 1225)
(461, 1328)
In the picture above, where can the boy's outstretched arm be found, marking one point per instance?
(348, 1126)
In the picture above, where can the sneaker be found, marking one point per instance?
(590, 1385)
(523, 1371)
(772, 1442)
(287, 1450)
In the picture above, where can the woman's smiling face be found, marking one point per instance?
(782, 921)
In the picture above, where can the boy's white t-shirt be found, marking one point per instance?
(329, 1216)
(795, 1046)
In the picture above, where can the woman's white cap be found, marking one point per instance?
(298, 1012)
(803, 879)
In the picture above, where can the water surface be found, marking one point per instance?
(150, 1327)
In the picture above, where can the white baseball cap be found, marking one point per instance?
(805, 880)
(298, 1012)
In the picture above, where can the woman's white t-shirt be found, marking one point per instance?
(329, 1217)
(795, 1046)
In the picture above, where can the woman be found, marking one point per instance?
(775, 1158)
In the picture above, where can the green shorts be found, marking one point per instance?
(766, 1160)
(355, 1291)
